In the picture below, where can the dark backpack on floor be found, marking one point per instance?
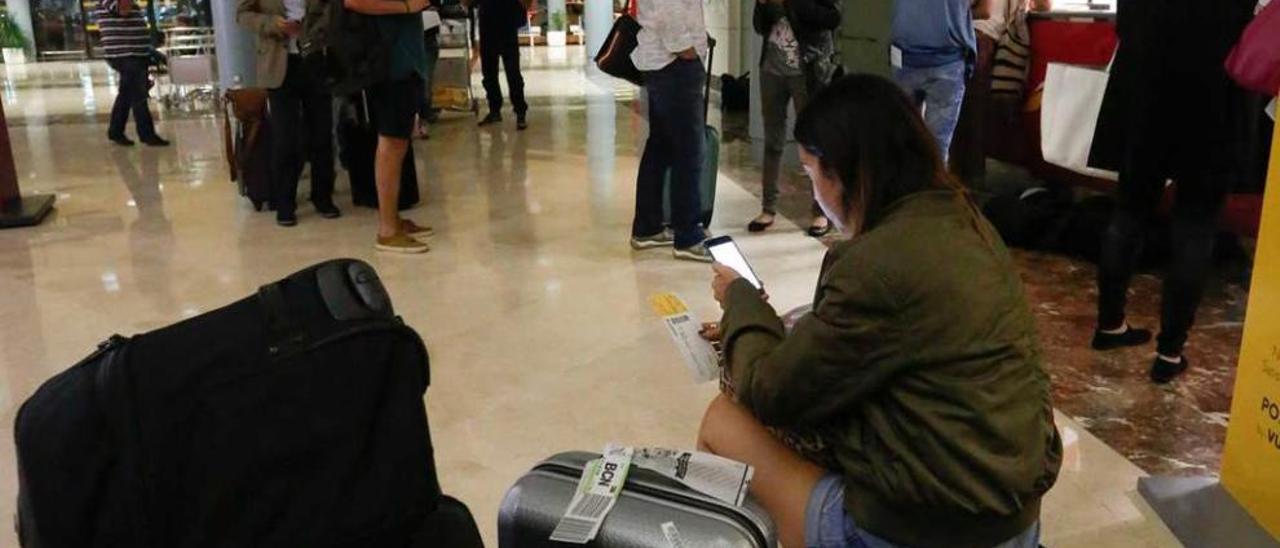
(294, 417)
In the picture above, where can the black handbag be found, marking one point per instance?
(614, 57)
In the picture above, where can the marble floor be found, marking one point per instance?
(531, 302)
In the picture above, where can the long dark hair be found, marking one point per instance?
(868, 133)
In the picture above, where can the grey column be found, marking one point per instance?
(597, 19)
(237, 64)
(20, 11)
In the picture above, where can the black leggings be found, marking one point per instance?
(1193, 231)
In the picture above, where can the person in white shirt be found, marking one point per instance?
(670, 51)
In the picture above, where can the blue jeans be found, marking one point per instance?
(676, 142)
(940, 90)
(827, 525)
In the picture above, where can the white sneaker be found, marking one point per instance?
(666, 238)
(698, 253)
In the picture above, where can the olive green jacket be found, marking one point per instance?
(920, 363)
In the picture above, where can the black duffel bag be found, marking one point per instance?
(294, 417)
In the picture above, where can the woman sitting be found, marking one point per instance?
(919, 361)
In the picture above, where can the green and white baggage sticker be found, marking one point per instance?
(720, 478)
(699, 355)
(597, 492)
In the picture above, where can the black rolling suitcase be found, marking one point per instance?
(358, 144)
(652, 511)
(293, 417)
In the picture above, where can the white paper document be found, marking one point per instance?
(673, 535)
(716, 476)
(699, 355)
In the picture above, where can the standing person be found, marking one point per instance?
(500, 22)
(798, 59)
(431, 41)
(393, 103)
(126, 43)
(933, 46)
(968, 150)
(1170, 61)
(299, 99)
(670, 51)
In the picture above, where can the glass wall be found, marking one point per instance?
(59, 28)
(66, 29)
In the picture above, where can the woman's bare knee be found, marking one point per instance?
(714, 422)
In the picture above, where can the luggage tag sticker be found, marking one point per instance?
(720, 478)
(698, 353)
(597, 492)
(673, 535)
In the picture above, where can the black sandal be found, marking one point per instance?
(819, 231)
(757, 226)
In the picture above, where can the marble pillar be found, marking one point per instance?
(237, 64)
(597, 19)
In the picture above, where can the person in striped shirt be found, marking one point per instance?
(126, 42)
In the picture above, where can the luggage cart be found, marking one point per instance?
(451, 81)
(188, 77)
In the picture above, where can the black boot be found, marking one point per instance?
(1163, 371)
(1112, 341)
(326, 209)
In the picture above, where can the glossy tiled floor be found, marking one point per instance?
(531, 302)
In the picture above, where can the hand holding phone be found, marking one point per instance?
(726, 252)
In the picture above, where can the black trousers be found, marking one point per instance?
(131, 97)
(502, 45)
(1193, 232)
(302, 130)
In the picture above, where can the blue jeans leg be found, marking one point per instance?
(940, 91)
(677, 143)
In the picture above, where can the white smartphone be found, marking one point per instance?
(726, 252)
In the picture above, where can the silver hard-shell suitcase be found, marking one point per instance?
(534, 505)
